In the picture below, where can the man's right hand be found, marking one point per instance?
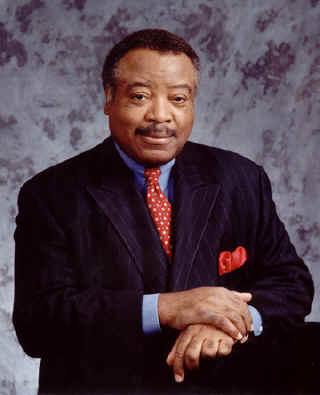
(194, 343)
(224, 309)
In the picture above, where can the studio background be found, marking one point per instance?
(259, 96)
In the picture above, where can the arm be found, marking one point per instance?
(282, 287)
(280, 283)
(217, 306)
(150, 316)
(54, 313)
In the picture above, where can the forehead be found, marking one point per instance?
(156, 67)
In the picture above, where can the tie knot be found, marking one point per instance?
(152, 174)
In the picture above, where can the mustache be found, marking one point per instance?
(156, 131)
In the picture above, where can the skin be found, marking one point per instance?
(224, 309)
(196, 342)
(151, 113)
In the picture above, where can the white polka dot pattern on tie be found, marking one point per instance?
(159, 207)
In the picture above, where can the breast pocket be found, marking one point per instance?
(237, 279)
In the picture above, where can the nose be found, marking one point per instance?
(159, 111)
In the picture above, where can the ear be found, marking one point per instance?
(108, 96)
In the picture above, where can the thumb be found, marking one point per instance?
(245, 296)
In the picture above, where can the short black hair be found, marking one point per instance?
(156, 39)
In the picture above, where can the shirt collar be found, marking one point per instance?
(138, 170)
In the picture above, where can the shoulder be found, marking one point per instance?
(220, 163)
(68, 174)
(74, 168)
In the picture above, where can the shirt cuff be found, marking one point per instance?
(256, 320)
(150, 317)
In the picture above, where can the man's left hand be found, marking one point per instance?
(195, 342)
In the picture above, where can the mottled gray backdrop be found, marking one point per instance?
(260, 96)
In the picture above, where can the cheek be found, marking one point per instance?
(125, 119)
(185, 121)
(132, 117)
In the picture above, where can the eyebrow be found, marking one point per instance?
(181, 86)
(139, 84)
(147, 84)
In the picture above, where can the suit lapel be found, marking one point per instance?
(115, 194)
(195, 197)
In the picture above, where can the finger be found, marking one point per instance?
(244, 339)
(237, 311)
(226, 325)
(244, 317)
(192, 353)
(224, 348)
(170, 357)
(178, 364)
(209, 348)
(247, 318)
(238, 320)
(245, 296)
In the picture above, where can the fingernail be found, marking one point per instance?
(244, 339)
(239, 336)
(251, 328)
(178, 378)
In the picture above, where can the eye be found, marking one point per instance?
(179, 99)
(138, 97)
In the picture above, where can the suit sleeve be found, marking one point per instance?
(283, 288)
(53, 313)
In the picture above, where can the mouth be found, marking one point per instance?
(156, 140)
(156, 135)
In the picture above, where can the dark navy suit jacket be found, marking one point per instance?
(87, 251)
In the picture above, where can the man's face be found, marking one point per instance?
(152, 109)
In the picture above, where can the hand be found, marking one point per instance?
(217, 306)
(195, 342)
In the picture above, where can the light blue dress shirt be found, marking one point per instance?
(150, 317)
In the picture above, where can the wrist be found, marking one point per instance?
(164, 309)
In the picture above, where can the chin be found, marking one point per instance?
(155, 159)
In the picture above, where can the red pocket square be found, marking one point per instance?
(229, 261)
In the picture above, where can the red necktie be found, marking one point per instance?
(159, 207)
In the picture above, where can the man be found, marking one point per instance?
(149, 262)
